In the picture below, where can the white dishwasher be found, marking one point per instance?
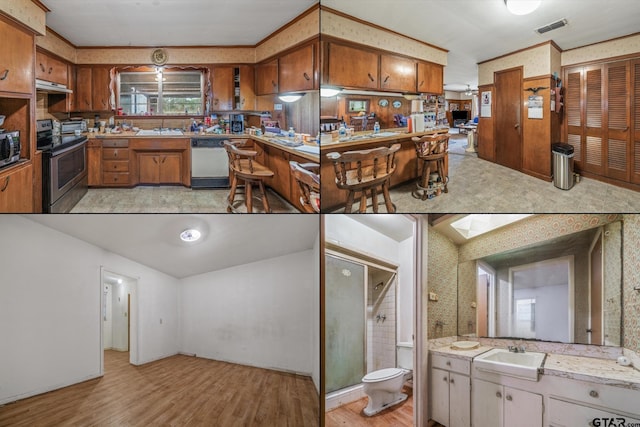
(209, 162)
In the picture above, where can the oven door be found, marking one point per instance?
(67, 178)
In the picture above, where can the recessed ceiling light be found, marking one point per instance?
(522, 7)
(119, 281)
(190, 235)
(476, 224)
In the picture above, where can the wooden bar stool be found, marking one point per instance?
(306, 175)
(429, 149)
(363, 172)
(244, 167)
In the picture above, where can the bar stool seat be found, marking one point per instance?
(430, 149)
(363, 172)
(244, 167)
(306, 175)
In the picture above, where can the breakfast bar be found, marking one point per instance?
(406, 165)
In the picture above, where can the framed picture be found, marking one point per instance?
(357, 105)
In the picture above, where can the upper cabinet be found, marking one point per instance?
(93, 92)
(232, 88)
(17, 50)
(51, 69)
(297, 71)
(365, 68)
(267, 78)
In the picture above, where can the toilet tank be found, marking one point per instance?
(404, 352)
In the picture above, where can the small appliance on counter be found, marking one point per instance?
(70, 126)
(237, 123)
(9, 147)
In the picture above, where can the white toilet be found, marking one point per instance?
(384, 386)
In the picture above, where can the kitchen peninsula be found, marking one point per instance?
(406, 164)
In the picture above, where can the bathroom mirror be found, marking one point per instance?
(567, 289)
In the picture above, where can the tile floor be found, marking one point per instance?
(480, 186)
(167, 199)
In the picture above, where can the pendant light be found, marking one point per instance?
(522, 7)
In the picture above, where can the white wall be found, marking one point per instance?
(315, 301)
(120, 316)
(405, 290)
(259, 314)
(50, 312)
(552, 323)
(107, 328)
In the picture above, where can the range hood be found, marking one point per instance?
(49, 87)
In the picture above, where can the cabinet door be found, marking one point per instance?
(440, 396)
(486, 404)
(460, 395)
(247, 93)
(148, 169)
(521, 408)
(16, 59)
(170, 168)
(267, 78)
(222, 86)
(16, 190)
(618, 150)
(296, 70)
(352, 67)
(100, 87)
(278, 162)
(50, 69)
(94, 162)
(83, 89)
(635, 120)
(429, 78)
(397, 73)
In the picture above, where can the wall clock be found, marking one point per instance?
(397, 104)
(159, 57)
(383, 102)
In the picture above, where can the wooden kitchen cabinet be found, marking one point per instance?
(246, 98)
(296, 70)
(429, 78)
(278, 162)
(16, 189)
(51, 69)
(65, 103)
(100, 88)
(222, 87)
(352, 67)
(159, 168)
(496, 405)
(83, 89)
(266, 78)
(397, 73)
(115, 162)
(94, 162)
(16, 59)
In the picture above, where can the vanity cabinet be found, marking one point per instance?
(495, 405)
(563, 413)
(450, 391)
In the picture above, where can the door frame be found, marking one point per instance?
(491, 298)
(599, 236)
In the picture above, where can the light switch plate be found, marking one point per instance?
(277, 107)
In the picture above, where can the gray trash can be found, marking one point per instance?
(562, 165)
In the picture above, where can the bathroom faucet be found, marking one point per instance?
(517, 349)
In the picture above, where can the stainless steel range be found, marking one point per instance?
(64, 168)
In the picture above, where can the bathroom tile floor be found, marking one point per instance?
(351, 414)
(168, 199)
(476, 185)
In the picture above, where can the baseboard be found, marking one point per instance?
(269, 368)
(547, 178)
(21, 396)
(155, 359)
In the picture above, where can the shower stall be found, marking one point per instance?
(360, 319)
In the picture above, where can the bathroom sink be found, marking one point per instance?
(526, 365)
(465, 345)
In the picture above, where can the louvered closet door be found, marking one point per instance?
(617, 116)
(573, 111)
(593, 147)
(635, 94)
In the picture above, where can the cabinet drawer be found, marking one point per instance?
(111, 178)
(115, 166)
(113, 143)
(565, 414)
(451, 364)
(115, 154)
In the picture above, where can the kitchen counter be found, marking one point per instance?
(364, 140)
(603, 371)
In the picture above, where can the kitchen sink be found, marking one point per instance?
(159, 132)
(527, 365)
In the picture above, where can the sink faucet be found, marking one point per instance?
(517, 348)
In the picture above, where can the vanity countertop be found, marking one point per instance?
(461, 354)
(603, 371)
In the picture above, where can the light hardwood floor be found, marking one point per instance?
(176, 391)
(351, 415)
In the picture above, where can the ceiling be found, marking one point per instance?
(477, 30)
(395, 226)
(170, 22)
(227, 240)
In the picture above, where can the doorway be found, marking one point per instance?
(508, 118)
(118, 312)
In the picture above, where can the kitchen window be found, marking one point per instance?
(160, 92)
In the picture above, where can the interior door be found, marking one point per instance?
(508, 118)
(596, 293)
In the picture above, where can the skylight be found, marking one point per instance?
(476, 224)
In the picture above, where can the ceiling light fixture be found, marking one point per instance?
(190, 235)
(468, 92)
(329, 91)
(522, 7)
(290, 97)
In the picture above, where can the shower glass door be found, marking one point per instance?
(344, 323)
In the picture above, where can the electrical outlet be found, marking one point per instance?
(433, 296)
(277, 107)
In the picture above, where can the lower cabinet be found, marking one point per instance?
(450, 391)
(570, 414)
(16, 189)
(159, 168)
(495, 405)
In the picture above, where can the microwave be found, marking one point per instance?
(71, 126)
(9, 148)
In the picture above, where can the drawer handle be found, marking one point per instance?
(509, 398)
(6, 184)
(498, 395)
(593, 393)
(452, 381)
(5, 74)
(306, 76)
(444, 379)
(371, 77)
(115, 153)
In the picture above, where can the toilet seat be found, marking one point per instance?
(382, 375)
